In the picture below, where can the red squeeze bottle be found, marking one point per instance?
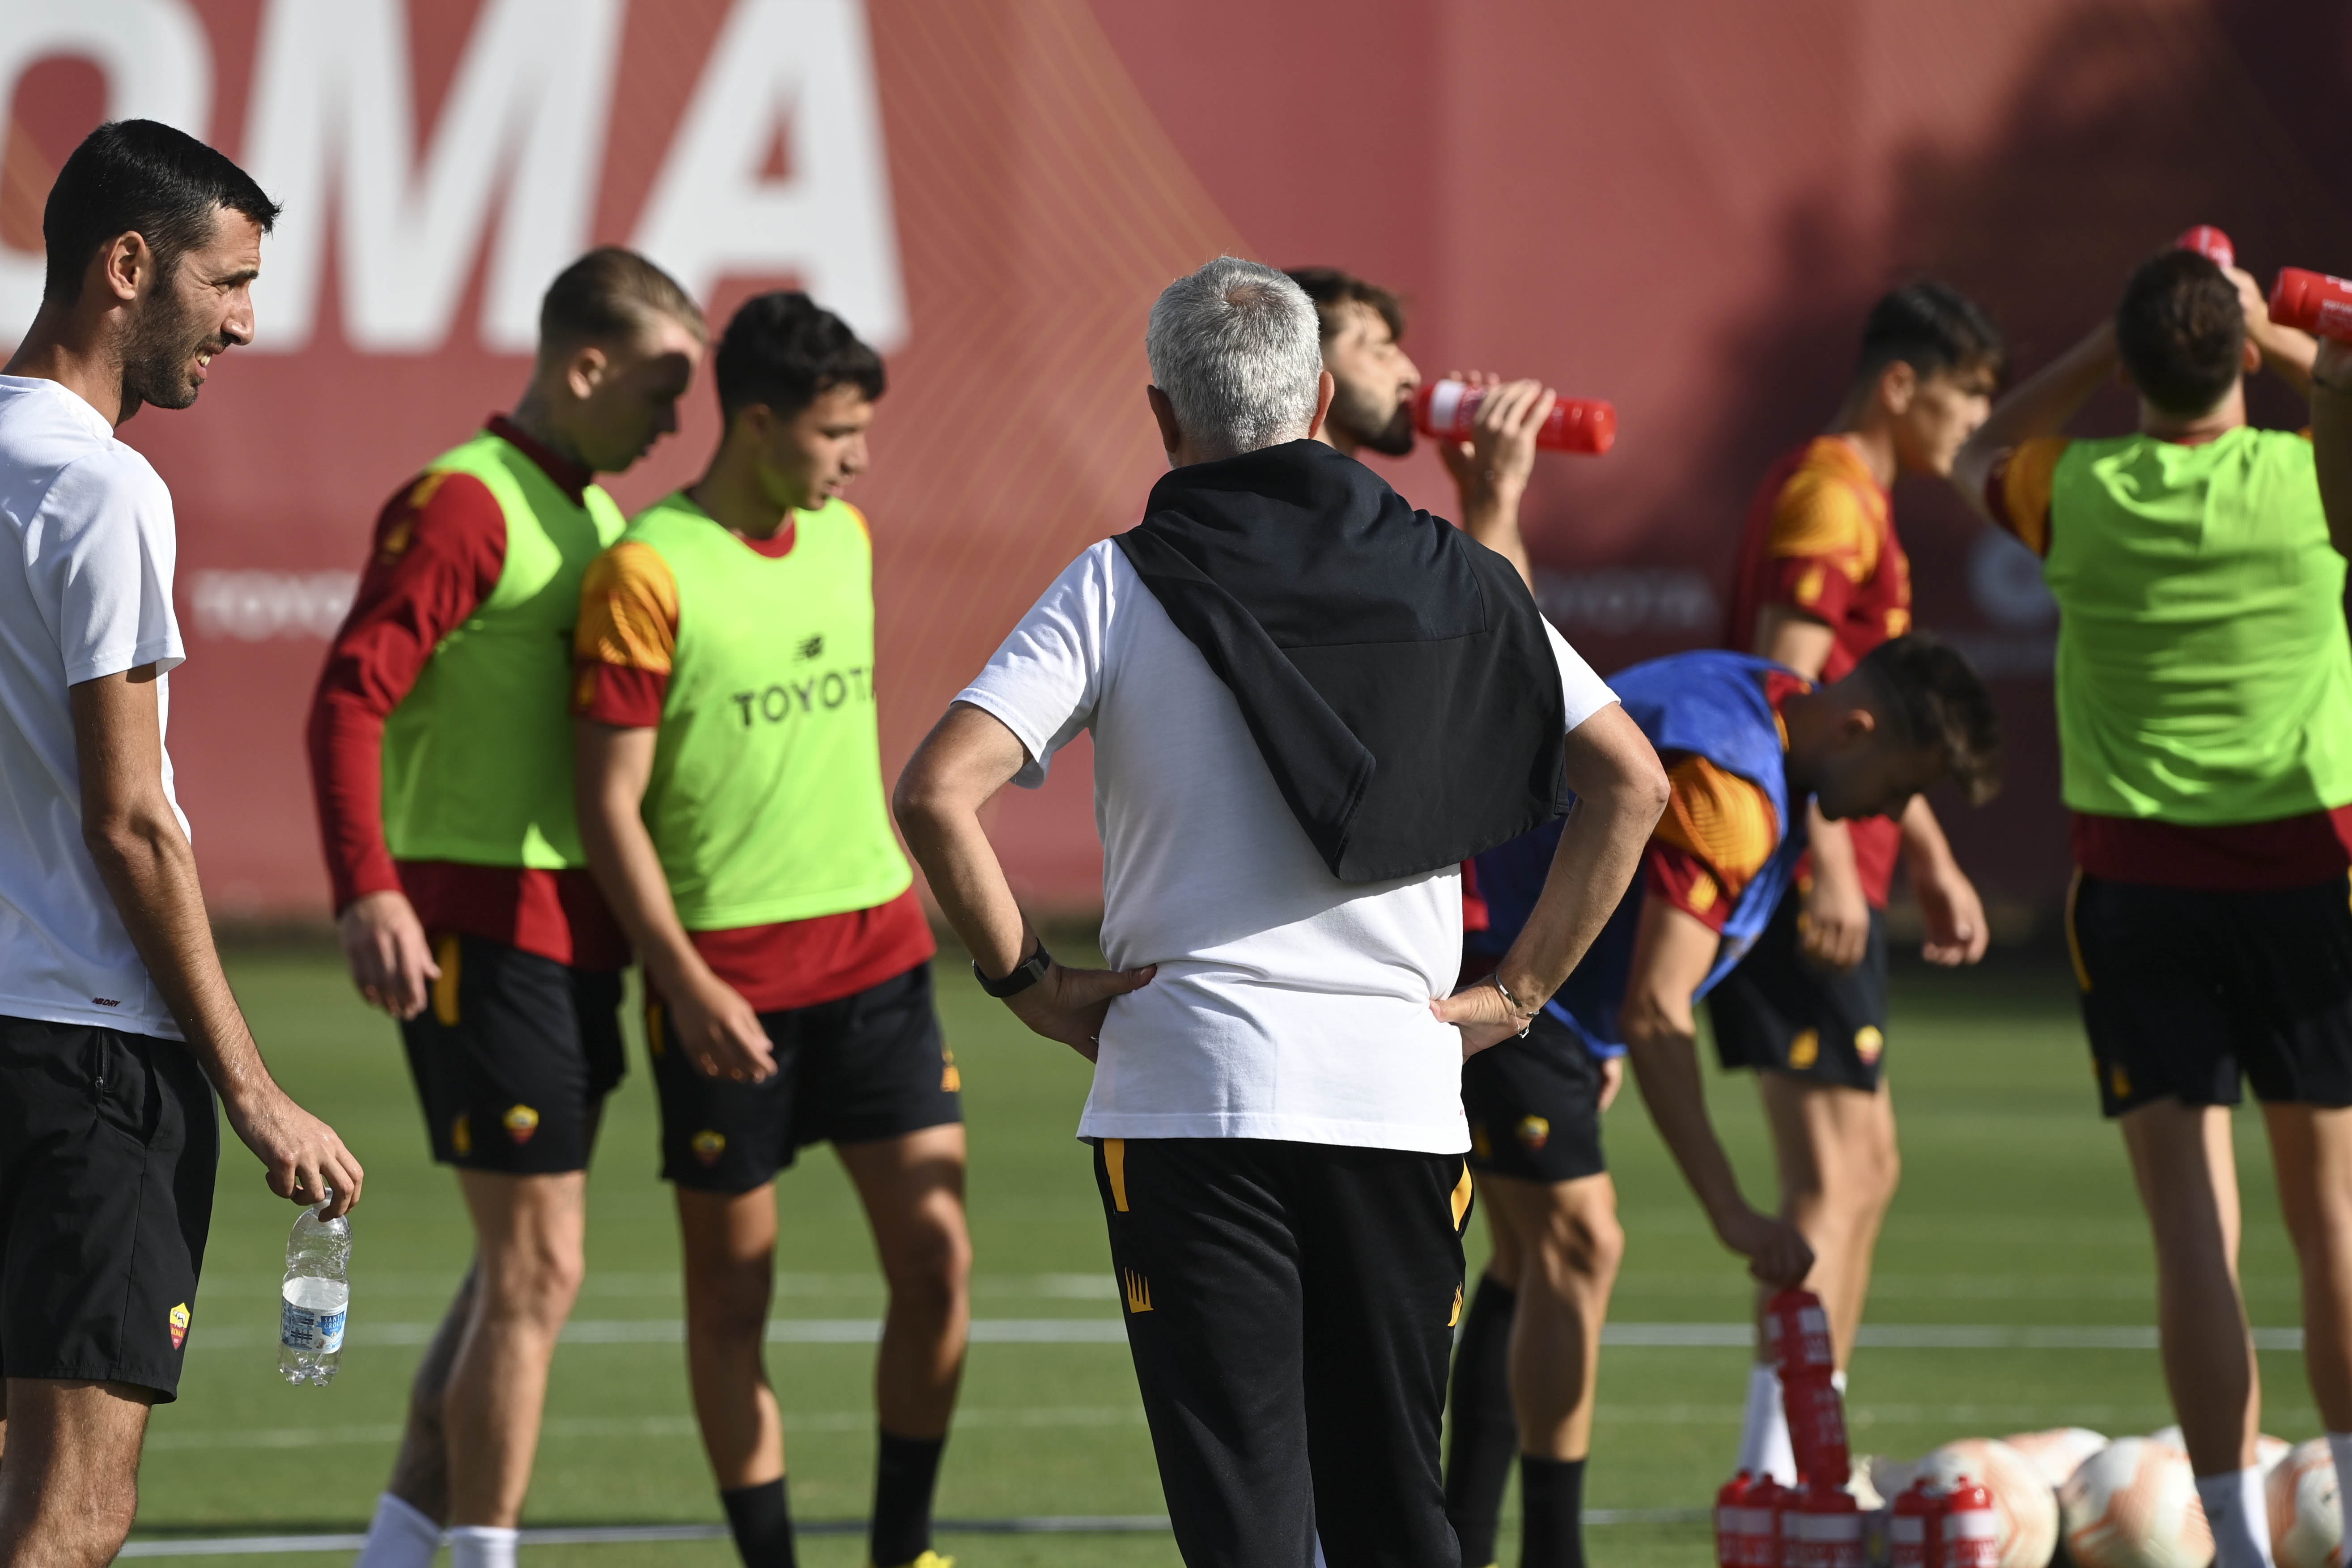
(1829, 1531)
(2314, 302)
(1731, 1527)
(1797, 1330)
(1971, 1528)
(1444, 410)
(2209, 243)
(1915, 1528)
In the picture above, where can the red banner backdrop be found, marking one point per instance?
(1685, 206)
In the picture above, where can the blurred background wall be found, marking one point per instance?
(1684, 206)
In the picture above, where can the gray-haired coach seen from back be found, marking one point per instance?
(1309, 703)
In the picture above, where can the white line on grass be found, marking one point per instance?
(1113, 1330)
(634, 1534)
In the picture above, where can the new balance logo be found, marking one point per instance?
(1137, 1289)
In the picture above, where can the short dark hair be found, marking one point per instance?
(612, 293)
(145, 177)
(1937, 698)
(785, 350)
(1932, 327)
(1333, 291)
(2180, 330)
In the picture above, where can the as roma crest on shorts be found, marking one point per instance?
(1869, 1041)
(461, 1134)
(179, 1325)
(708, 1145)
(521, 1122)
(1535, 1132)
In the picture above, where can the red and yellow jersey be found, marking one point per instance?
(625, 648)
(1820, 539)
(1717, 834)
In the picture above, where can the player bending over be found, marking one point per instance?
(1823, 580)
(2204, 693)
(731, 790)
(442, 759)
(116, 1025)
(1749, 748)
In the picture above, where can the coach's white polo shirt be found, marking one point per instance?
(1288, 1005)
(87, 546)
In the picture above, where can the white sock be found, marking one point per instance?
(1837, 1381)
(2339, 1448)
(2240, 1515)
(482, 1546)
(1764, 1432)
(402, 1536)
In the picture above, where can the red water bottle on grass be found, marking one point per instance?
(1915, 1528)
(1829, 1530)
(2209, 243)
(1797, 1331)
(1447, 410)
(1971, 1528)
(1770, 1505)
(1732, 1530)
(2314, 302)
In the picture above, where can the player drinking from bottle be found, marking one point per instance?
(1823, 579)
(1751, 748)
(442, 759)
(731, 787)
(116, 1025)
(2204, 694)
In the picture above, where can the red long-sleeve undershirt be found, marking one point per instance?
(438, 549)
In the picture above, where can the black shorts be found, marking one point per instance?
(1290, 1308)
(1534, 1106)
(513, 1057)
(109, 1146)
(1782, 1011)
(2184, 990)
(870, 1066)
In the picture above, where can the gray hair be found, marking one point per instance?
(1237, 349)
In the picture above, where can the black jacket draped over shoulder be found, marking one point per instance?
(1394, 673)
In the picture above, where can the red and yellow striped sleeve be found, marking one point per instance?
(626, 637)
(1718, 831)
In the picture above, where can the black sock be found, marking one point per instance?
(905, 1473)
(1552, 1512)
(762, 1523)
(1485, 1436)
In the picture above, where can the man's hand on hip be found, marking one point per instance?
(392, 962)
(1070, 1005)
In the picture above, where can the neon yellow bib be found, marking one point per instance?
(478, 756)
(766, 801)
(2204, 675)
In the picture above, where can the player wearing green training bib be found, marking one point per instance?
(732, 805)
(2204, 689)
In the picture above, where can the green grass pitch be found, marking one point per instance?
(2016, 1209)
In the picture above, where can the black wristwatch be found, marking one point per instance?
(1025, 974)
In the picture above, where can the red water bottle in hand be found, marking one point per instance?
(1797, 1331)
(2314, 302)
(2209, 243)
(1448, 411)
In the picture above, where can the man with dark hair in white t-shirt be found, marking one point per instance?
(116, 1025)
(1309, 703)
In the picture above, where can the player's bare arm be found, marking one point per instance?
(1621, 791)
(718, 1028)
(2038, 405)
(150, 870)
(968, 756)
(2286, 352)
(1491, 468)
(1836, 926)
(1948, 901)
(2331, 438)
(1672, 954)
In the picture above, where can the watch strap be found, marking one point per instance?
(1026, 974)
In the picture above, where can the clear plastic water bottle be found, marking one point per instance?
(317, 1297)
